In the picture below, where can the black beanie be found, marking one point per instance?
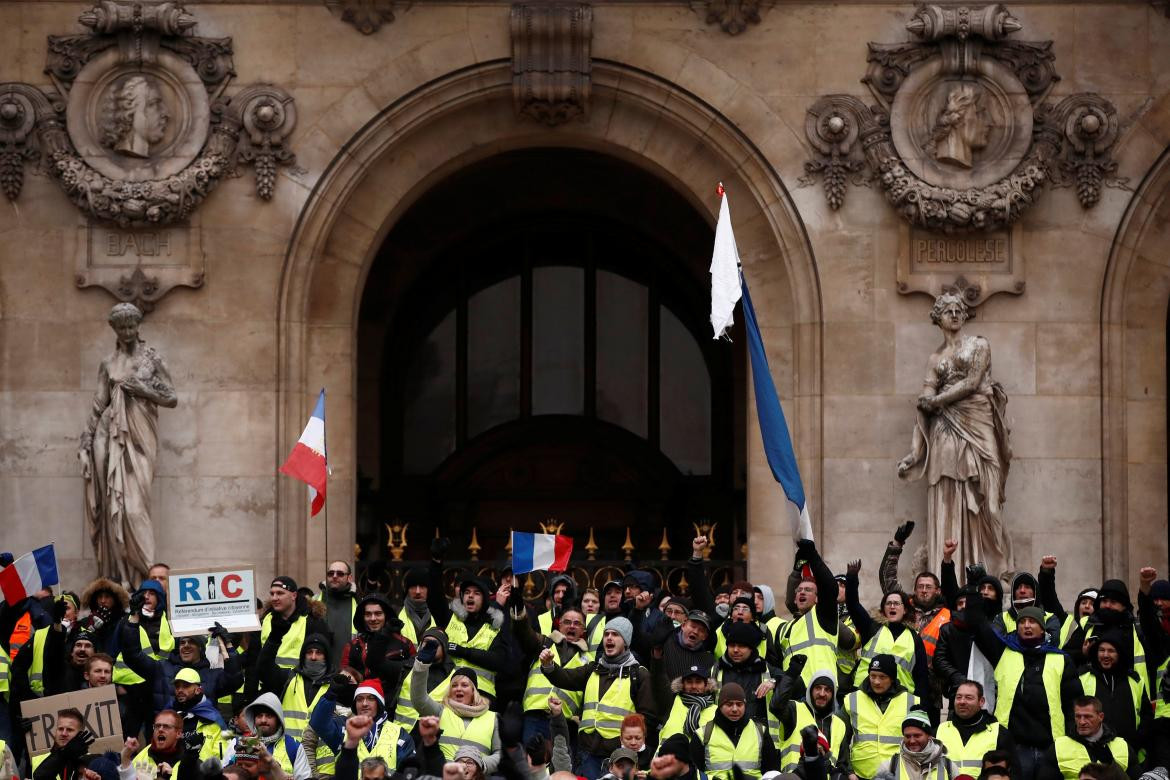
(743, 634)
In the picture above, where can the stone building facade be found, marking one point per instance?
(404, 127)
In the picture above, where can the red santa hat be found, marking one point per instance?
(371, 687)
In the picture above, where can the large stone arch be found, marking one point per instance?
(466, 116)
(1134, 308)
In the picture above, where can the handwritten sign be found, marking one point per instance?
(199, 598)
(99, 707)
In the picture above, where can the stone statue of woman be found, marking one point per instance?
(960, 445)
(119, 447)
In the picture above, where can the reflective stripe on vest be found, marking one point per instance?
(847, 659)
(144, 766)
(20, 634)
(790, 748)
(538, 688)
(1071, 756)
(877, 735)
(456, 732)
(603, 714)
(721, 642)
(931, 630)
(676, 722)
(595, 630)
(325, 760)
(968, 757)
(123, 674)
(288, 655)
(212, 735)
(385, 746)
(1009, 675)
(404, 714)
(457, 633)
(5, 669)
(36, 671)
(282, 754)
(408, 630)
(1089, 685)
(806, 637)
(1162, 707)
(901, 648)
(940, 771)
(296, 709)
(721, 754)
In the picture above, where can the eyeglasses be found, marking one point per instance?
(337, 573)
(571, 622)
(163, 727)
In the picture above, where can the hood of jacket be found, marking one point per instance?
(206, 710)
(393, 624)
(157, 589)
(711, 688)
(89, 595)
(269, 701)
(570, 594)
(1024, 578)
(493, 613)
(769, 598)
(827, 676)
(996, 584)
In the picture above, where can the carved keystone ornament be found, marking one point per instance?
(139, 131)
(552, 63)
(961, 139)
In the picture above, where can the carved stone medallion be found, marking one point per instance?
(960, 139)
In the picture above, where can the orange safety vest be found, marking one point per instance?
(21, 634)
(932, 629)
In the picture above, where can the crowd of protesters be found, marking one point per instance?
(954, 678)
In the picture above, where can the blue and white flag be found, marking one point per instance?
(725, 271)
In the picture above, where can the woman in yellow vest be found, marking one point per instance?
(893, 634)
(732, 739)
(464, 717)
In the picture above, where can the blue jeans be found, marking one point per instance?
(536, 724)
(1030, 759)
(588, 765)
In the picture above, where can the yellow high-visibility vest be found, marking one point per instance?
(676, 721)
(1089, 685)
(1139, 657)
(968, 757)
(1071, 756)
(1008, 674)
(296, 708)
(877, 735)
(406, 715)
(123, 675)
(721, 754)
(288, 655)
(457, 633)
(790, 748)
(604, 714)
(902, 649)
(457, 732)
(408, 627)
(36, 671)
(385, 746)
(805, 636)
(538, 689)
(721, 643)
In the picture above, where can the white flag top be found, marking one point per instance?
(725, 289)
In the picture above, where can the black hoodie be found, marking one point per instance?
(380, 653)
(1114, 689)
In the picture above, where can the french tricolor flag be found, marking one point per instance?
(307, 461)
(28, 574)
(540, 552)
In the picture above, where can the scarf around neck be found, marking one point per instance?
(615, 664)
(695, 704)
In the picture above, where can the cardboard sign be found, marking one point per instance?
(199, 598)
(99, 706)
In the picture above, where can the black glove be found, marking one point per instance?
(193, 742)
(428, 650)
(26, 724)
(76, 748)
(137, 599)
(516, 599)
(280, 627)
(439, 547)
(219, 632)
(512, 725)
(453, 649)
(60, 607)
(808, 741)
(904, 531)
(341, 690)
(975, 572)
(796, 665)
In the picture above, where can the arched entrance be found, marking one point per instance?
(533, 346)
(464, 118)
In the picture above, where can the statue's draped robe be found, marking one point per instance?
(966, 463)
(125, 446)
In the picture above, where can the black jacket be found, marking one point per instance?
(641, 691)
(952, 654)
(1099, 753)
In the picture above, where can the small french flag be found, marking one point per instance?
(307, 461)
(28, 574)
(540, 552)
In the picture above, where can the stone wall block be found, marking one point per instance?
(859, 494)
(858, 426)
(1053, 493)
(845, 264)
(1055, 427)
(1068, 359)
(41, 431)
(1112, 50)
(1145, 363)
(859, 358)
(39, 355)
(236, 431)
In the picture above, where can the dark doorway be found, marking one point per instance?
(534, 346)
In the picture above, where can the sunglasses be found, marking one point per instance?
(337, 573)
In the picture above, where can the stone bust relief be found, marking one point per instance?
(134, 117)
(961, 128)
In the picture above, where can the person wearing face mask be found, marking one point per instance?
(1114, 611)
(789, 716)
(743, 612)
(572, 651)
(742, 663)
(691, 700)
(1109, 676)
(893, 634)
(1035, 683)
(300, 688)
(875, 711)
(1025, 590)
(614, 686)
(378, 648)
(105, 600)
(1070, 623)
(920, 756)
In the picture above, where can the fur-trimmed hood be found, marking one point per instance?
(494, 613)
(557, 637)
(97, 586)
(712, 686)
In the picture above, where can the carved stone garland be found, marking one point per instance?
(551, 60)
(149, 43)
(732, 16)
(1063, 144)
(367, 16)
